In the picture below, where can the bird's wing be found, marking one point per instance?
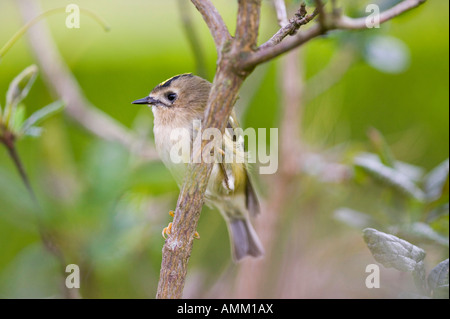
(234, 145)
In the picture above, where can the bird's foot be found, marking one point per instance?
(168, 229)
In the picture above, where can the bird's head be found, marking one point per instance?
(183, 94)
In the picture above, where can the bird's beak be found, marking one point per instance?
(145, 100)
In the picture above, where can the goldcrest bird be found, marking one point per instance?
(177, 103)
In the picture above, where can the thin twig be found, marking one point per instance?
(300, 18)
(322, 14)
(280, 9)
(345, 23)
(214, 21)
(43, 15)
(8, 140)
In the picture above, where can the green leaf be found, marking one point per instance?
(372, 165)
(34, 131)
(40, 115)
(414, 173)
(18, 117)
(20, 86)
(436, 182)
(17, 91)
(391, 251)
(438, 280)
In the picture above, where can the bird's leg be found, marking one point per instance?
(168, 229)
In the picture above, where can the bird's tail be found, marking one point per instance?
(244, 240)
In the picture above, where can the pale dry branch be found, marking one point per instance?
(347, 23)
(63, 85)
(282, 186)
(214, 21)
(280, 9)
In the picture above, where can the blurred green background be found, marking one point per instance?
(106, 208)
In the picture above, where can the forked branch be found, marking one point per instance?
(330, 22)
(291, 27)
(237, 57)
(223, 95)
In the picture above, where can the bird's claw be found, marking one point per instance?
(168, 229)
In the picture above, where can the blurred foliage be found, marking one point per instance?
(106, 209)
(12, 119)
(416, 207)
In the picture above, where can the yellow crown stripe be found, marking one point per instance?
(173, 78)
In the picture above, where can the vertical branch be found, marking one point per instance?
(322, 14)
(223, 95)
(280, 8)
(247, 24)
(254, 275)
(178, 246)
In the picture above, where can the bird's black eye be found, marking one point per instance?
(171, 96)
